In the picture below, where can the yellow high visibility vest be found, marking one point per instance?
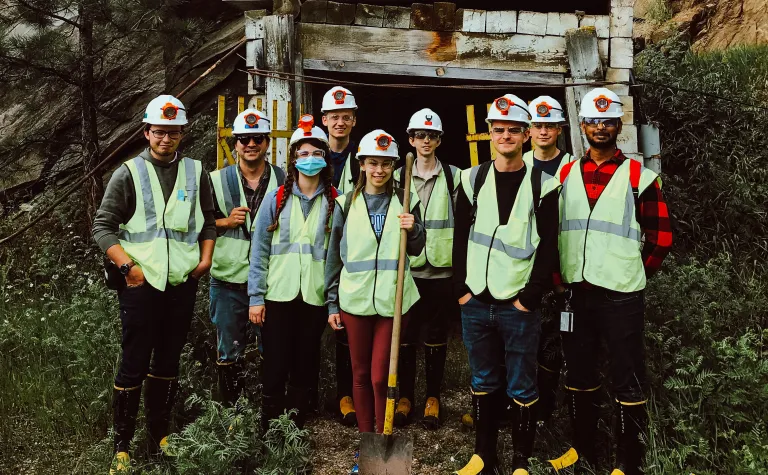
(162, 237)
(345, 183)
(232, 253)
(602, 245)
(297, 255)
(528, 159)
(500, 258)
(369, 277)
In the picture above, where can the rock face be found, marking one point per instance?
(709, 24)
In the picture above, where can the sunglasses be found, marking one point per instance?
(605, 122)
(511, 130)
(160, 134)
(421, 135)
(246, 139)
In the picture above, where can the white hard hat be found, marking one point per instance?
(546, 109)
(165, 110)
(601, 103)
(251, 121)
(307, 130)
(510, 108)
(425, 119)
(338, 98)
(377, 144)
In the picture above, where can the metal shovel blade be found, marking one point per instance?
(385, 454)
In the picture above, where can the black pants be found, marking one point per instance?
(291, 335)
(155, 326)
(617, 319)
(432, 314)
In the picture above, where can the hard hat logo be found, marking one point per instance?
(503, 104)
(428, 120)
(306, 122)
(251, 120)
(383, 142)
(339, 96)
(170, 111)
(603, 103)
(543, 109)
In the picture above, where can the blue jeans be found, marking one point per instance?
(229, 312)
(484, 327)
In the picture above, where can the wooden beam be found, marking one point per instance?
(584, 60)
(278, 42)
(340, 13)
(421, 16)
(286, 7)
(433, 48)
(472, 21)
(444, 18)
(512, 77)
(254, 48)
(314, 11)
(397, 17)
(369, 15)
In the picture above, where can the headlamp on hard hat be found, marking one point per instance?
(543, 109)
(251, 120)
(170, 111)
(602, 103)
(339, 96)
(503, 104)
(383, 142)
(306, 122)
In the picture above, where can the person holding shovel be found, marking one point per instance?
(361, 271)
(286, 278)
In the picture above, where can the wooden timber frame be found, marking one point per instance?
(436, 40)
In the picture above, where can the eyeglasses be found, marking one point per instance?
(545, 125)
(607, 123)
(337, 117)
(421, 135)
(511, 130)
(246, 139)
(374, 164)
(314, 153)
(160, 134)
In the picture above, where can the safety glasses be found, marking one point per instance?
(374, 164)
(314, 153)
(423, 134)
(607, 123)
(512, 130)
(246, 139)
(545, 125)
(160, 134)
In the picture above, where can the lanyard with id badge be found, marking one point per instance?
(566, 315)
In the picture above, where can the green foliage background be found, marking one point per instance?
(706, 321)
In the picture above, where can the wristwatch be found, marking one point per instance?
(126, 268)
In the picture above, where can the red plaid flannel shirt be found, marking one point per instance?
(654, 214)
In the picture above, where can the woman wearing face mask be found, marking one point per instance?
(285, 282)
(361, 273)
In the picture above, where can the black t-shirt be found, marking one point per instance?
(550, 166)
(339, 161)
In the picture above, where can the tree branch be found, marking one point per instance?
(35, 9)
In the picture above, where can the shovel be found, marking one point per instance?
(386, 454)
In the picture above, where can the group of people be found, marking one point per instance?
(290, 250)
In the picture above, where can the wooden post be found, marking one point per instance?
(279, 57)
(254, 49)
(584, 60)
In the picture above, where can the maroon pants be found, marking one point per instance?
(369, 343)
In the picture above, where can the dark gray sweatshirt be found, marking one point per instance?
(119, 201)
(377, 209)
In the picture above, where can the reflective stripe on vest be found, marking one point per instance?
(567, 158)
(438, 222)
(602, 245)
(369, 276)
(297, 256)
(162, 237)
(500, 258)
(231, 255)
(345, 186)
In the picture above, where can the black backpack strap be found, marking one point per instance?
(279, 174)
(448, 179)
(536, 177)
(354, 168)
(400, 196)
(482, 173)
(231, 175)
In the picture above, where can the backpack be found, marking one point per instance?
(281, 195)
(448, 177)
(230, 174)
(482, 174)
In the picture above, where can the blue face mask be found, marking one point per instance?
(310, 166)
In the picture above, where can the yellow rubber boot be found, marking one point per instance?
(121, 464)
(467, 422)
(616, 471)
(347, 409)
(474, 467)
(402, 412)
(520, 471)
(432, 413)
(566, 460)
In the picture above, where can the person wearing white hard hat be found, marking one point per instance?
(361, 271)
(547, 119)
(286, 286)
(435, 183)
(339, 110)
(156, 226)
(238, 192)
(614, 234)
(504, 253)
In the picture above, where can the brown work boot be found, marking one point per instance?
(431, 419)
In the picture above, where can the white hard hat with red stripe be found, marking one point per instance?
(165, 110)
(425, 119)
(546, 109)
(509, 107)
(601, 103)
(251, 121)
(307, 130)
(338, 98)
(377, 144)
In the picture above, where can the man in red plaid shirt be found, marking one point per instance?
(607, 205)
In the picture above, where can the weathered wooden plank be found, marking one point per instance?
(627, 139)
(622, 53)
(444, 16)
(532, 23)
(584, 60)
(622, 3)
(314, 11)
(254, 48)
(433, 48)
(369, 15)
(602, 24)
(559, 23)
(340, 13)
(254, 27)
(421, 16)
(501, 22)
(279, 49)
(435, 72)
(286, 7)
(472, 21)
(603, 46)
(397, 17)
(621, 22)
